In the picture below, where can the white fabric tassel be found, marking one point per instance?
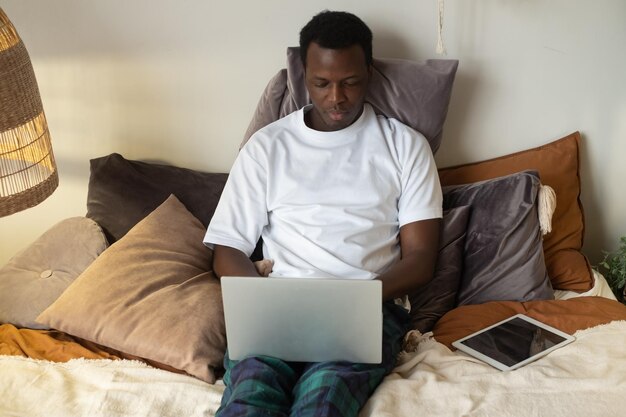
(547, 205)
(441, 49)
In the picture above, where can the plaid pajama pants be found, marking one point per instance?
(265, 386)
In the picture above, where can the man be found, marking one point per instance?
(334, 191)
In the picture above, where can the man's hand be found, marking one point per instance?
(264, 267)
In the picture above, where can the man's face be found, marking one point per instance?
(337, 81)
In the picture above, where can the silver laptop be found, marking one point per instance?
(304, 319)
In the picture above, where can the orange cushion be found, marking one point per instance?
(557, 164)
(566, 315)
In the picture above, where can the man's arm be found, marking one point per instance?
(419, 242)
(228, 261)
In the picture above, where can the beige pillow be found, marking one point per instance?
(35, 277)
(152, 294)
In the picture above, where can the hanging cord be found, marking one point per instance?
(441, 49)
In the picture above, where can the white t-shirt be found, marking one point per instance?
(327, 204)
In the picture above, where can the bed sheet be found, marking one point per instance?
(53, 374)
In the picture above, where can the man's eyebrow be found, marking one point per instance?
(320, 78)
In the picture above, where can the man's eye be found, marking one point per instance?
(321, 85)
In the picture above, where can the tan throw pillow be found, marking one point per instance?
(35, 277)
(557, 164)
(152, 294)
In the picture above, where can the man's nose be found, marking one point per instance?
(337, 94)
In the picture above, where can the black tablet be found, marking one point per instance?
(513, 342)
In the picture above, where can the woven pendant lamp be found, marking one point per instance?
(28, 172)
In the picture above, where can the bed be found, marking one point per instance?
(118, 313)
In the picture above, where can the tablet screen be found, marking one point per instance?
(513, 341)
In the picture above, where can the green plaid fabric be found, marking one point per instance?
(265, 386)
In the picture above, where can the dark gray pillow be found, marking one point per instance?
(122, 192)
(416, 93)
(436, 298)
(503, 248)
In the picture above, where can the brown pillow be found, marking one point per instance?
(152, 294)
(416, 93)
(35, 277)
(566, 315)
(436, 298)
(122, 192)
(557, 164)
(503, 257)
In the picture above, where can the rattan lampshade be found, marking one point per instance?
(28, 172)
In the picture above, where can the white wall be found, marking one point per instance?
(178, 81)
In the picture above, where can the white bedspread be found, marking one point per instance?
(586, 378)
(100, 388)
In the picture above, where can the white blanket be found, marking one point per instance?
(100, 388)
(586, 378)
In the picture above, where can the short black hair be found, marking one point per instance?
(336, 30)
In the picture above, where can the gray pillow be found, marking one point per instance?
(503, 258)
(416, 93)
(436, 298)
(34, 278)
(122, 192)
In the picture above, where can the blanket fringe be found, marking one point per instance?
(547, 205)
(102, 363)
(412, 340)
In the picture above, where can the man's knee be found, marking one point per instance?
(263, 369)
(338, 386)
(258, 385)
